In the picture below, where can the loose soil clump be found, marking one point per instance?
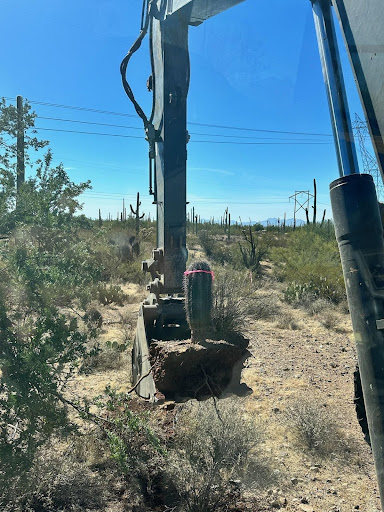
(184, 370)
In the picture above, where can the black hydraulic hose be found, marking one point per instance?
(143, 11)
(124, 64)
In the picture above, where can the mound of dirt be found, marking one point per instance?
(185, 370)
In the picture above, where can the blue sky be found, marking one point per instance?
(254, 66)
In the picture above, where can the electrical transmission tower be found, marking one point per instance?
(301, 198)
(369, 162)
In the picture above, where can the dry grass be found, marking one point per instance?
(216, 446)
(264, 305)
(314, 428)
(287, 320)
(59, 481)
(329, 319)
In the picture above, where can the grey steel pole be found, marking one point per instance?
(20, 177)
(359, 233)
(334, 83)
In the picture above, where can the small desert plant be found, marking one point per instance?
(207, 242)
(133, 445)
(286, 320)
(263, 305)
(254, 249)
(93, 318)
(329, 319)
(230, 305)
(110, 294)
(127, 328)
(108, 357)
(315, 428)
(214, 444)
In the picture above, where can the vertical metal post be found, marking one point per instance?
(169, 43)
(334, 83)
(20, 178)
(359, 233)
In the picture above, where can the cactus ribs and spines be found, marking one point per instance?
(198, 300)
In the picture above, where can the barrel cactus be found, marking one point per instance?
(198, 299)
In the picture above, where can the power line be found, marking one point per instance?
(225, 127)
(90, 122)
(260, 130)
(191, 133)
(195, 141)
(71, 107)
(259, 143)
(111, 196)
(90, 133)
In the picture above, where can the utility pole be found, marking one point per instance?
(20, 178)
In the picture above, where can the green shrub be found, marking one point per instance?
(132, 443)
(53, 266)
(207, 242)
(109, 294)
(310, 264)
(37, 359)
(254, 248)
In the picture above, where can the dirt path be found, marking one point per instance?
(313, 365)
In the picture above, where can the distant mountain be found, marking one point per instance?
(273, 221)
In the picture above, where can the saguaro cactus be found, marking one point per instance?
(137, 213)
(314, 207)
(198, 299)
